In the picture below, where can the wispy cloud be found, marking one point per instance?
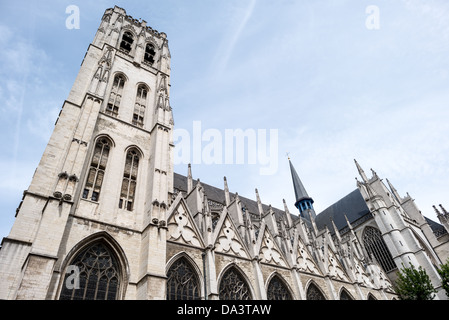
(227, 47)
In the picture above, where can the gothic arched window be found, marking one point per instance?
(344, 295)
(97, 169)
(182, 282)
(116, 95)
(149, 54)
(377, 248)
(313, 293)
(127, 41)
(140, 105)
(277, 290)
(129, 182)
(233, 286)
(98, 274)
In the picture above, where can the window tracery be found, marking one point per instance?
(233, 286)
(277, 290)
(182, 282)
(97, 169)
(99, 275)
(313, 293)
(140, 105)
(129, 182)
(115, 96)
(377, 248)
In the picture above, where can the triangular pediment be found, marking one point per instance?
(304, 260)
(360, 273)
(227, 238)
(334, 267)
(181, 225)
(269, 251)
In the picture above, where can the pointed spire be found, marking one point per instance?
(259, 204)
(337, 233)
(444, 210)
(361, 172)
(394, 191)
(226, 190)
(348, 223)
(300, 191)
(436, 210)
(189, 179)
(287, 214)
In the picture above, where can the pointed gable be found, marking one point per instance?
(228, 239)
(304, 259)
(181, 225)
(361, 275)
(269, 251)
(334, 266)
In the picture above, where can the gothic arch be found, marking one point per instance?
(104, 136)
(194, 279)
(345, 295)
(371, 297)
(376, 248)
(314, 292)
(147, 87)
(110, 247)
(277, 288)
(229, 276)
(96, 171)
(120, 73)
(131, 178)
(130, 30)
(136, 148)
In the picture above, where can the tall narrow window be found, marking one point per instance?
(344, 295)
(140, 105)
(313, 293)
(182, 282)
(149, 54)
(277, 290)
(233, 286)
(127, 42)
(97, 169)
(98, 275)
(116, 95)
(377, 248)
(129, 182)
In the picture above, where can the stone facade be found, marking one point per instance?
(106, 177)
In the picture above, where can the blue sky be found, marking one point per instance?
(333, 89)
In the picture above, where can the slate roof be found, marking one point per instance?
(218, 195)
(352, 205)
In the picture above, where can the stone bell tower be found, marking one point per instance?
(104, 177)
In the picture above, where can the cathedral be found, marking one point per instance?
(106, 217)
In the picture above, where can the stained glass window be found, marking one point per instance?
(344, 295)
(377, 248)
(313, 293)
(233, 286)
(116, 96)
(277, 290)
(99, 275)
(182, 282)
(129, 182)
(96, 171)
